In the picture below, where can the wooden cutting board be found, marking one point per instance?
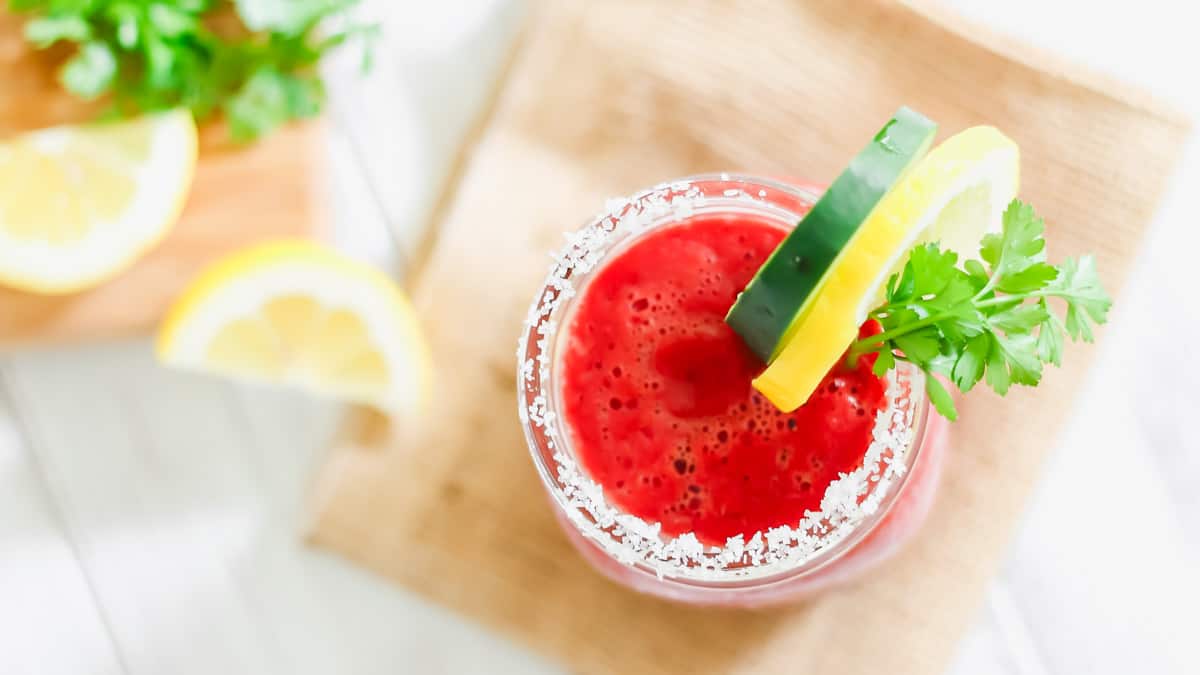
(240, 195)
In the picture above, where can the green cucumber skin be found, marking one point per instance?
(776, 295)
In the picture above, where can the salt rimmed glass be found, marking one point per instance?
(864, 516)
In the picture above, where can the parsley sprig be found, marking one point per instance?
(258, 70)
(989, 319)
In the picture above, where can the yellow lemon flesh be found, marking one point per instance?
(298, 314)
(79, 204)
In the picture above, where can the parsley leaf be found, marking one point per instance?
(91, 71)
(1087, 303)
(968, 369)
(940, 398)
(49, 30)
(256, 65)
(1020, 319)
(990, 319)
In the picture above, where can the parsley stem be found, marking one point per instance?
(870, 343)
(1021, 297)
(987, 288)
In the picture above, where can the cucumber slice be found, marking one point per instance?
(777, 296)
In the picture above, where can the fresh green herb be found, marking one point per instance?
(255, 65)
(990, 319)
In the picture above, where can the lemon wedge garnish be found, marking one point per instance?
(955, 195)
(298, 314)
(78, 204)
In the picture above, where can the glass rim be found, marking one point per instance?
(852, 506)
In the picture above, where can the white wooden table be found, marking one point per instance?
(148, 518)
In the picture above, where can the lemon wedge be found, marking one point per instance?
(78, 204)
(955, 195)
(298, 314)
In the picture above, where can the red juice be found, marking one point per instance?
(656, 391)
